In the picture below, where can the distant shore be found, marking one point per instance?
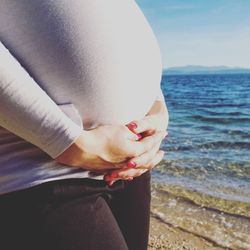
(204, 70)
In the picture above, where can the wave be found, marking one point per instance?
(232, 132)
(221, 120)
(234, 113)
(225, 105)
(242, 134)
(205, 166)
(225, 144)
(210, 145)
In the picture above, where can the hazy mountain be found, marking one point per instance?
(196, 69)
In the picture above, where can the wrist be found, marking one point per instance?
(75, 153)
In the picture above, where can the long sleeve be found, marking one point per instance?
(27, 111)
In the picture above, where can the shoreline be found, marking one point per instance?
(164, 236)
(181, 223)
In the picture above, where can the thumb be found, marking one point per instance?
(147, 123)
(133, 136)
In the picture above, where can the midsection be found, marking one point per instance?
(99, 55)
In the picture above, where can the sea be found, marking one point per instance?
(203, 183)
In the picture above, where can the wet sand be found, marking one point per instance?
(163, 236)
(181, 219)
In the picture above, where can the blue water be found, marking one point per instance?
(208, 148)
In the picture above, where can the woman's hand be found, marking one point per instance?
(154, 122)
(106, 147)
(139, 166)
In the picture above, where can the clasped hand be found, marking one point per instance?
(155, 122)
(122, 152)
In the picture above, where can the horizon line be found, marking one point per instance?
(207, 66)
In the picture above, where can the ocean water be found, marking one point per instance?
(207, 160)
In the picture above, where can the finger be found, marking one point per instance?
(153, 162)
(110, 181)
(111, 178)
(147, 143)
(157, 159)
(125, 174)
(144, 159)
(140, 160)
(147, 123)
(129, 173)
(133, 136)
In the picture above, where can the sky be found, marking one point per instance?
(201, 32)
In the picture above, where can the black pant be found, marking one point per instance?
(77, 214)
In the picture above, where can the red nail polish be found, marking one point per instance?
(139, 137)
(132, 125)
(113, 175)
(131, 164)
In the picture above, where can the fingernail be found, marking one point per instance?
(139, 137)
(166, 134)
(131, 164)
(130, 178)
(108, 178)
(132, 125)
(113, 175)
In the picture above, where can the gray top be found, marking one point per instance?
(67, 66)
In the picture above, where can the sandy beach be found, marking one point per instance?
(163, 236)
(181, 222)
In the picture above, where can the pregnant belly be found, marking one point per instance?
(102, 56)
